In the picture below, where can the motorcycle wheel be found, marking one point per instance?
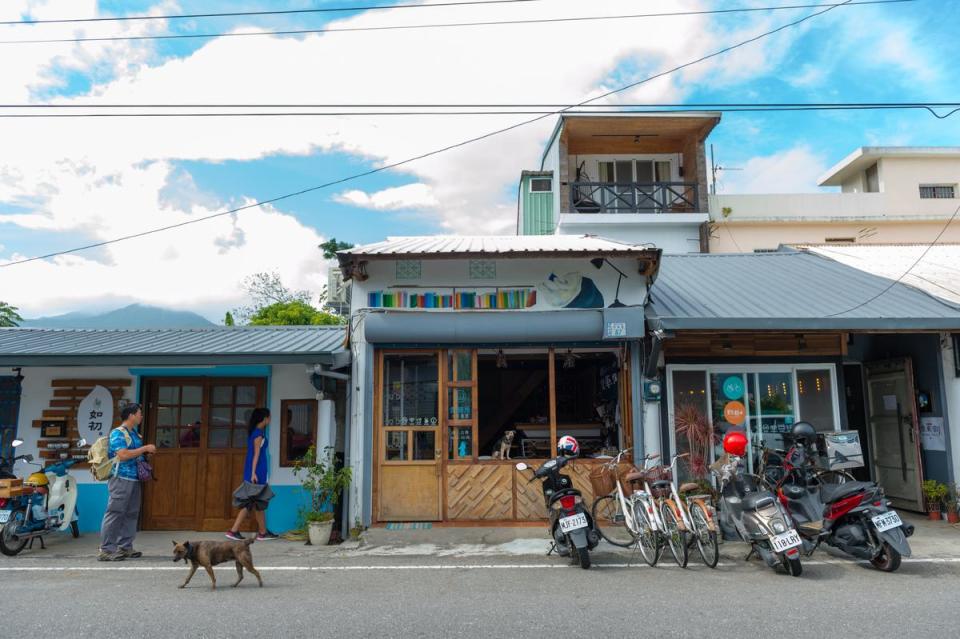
(888, 560)
(8, 546)
(793, 566)
(611, 523)
(647, 542)
(706, 539)
(676, 538)
(582, 555)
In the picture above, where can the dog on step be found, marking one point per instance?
(210, 553)
(502, 446)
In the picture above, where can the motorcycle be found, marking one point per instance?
(853, 516)
(753, 513)
(571, 527)
(48, 503)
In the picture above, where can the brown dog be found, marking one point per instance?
(210, 553)
(502, 446)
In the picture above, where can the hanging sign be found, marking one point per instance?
(735, 413)
(95, 415)
(733, 387)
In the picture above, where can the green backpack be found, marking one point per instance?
(98, 457)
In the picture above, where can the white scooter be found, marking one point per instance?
(46, 502)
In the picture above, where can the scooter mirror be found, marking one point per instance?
(81, 443)
(521, 466)
(16, 442)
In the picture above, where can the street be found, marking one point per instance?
(490, 596)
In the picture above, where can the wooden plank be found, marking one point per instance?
(83, 392)
(90, 383)
(552, 374)
(11, 483)
(479, 492)
(57, 412)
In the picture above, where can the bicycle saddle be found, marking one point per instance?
(687, 487)
(660, 483)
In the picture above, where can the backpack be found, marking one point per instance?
(98, 457)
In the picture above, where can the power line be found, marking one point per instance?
(450, 147)
(231, 14)
(452, 105)
(188, 36)
(906, 272)
(246, 114)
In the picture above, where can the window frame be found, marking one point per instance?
(548, 180)
(285, 461)
(934, 189)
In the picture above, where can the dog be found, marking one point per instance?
(502, 446)
(210, 553)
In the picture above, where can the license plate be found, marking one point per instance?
(785, 541)
(4, 516)
(573, 523)
(886, 521)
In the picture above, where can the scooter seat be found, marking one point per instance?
(835, 492)
(755, 501)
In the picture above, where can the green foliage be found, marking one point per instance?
(228, 320)
(332, 246)
(9, 316)
(266, 289)
(935, 492)
(295, 313)
(322, 480)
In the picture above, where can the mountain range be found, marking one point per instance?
(132, 316)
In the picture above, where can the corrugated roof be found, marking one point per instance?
(938, 273)
(786, 291)
(488, 245)
(264, 345)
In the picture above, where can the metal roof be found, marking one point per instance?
(786, 291)
(437, 246)
(938, 273)
(864, 156)
(218, 345)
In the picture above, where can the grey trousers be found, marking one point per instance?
(119, 525)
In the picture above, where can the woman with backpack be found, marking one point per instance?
(254, 493)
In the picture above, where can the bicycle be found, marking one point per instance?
(693, 515)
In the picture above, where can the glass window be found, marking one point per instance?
(424, 444)
(460, 404)
(815, 394)
(192, 395)
(539, 185)
(222, 395)
(298, 429)
(410, 388)
(694, 433)
(775, 413)
(168, 395)
(460, 366)
(246, 395)
(396, 444)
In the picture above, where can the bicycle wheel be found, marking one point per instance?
(834, 477)
(611, 522)
(675, 536)
(647, 541)
(707, 542)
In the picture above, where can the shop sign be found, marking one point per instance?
(615, 330)
(733, 387)
(735, 413)
(95, 414)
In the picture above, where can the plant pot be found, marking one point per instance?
(319, 532)
(953, 517)
(934, 515)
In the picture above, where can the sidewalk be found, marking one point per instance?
(931, 540)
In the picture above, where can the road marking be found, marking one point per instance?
(930, 560)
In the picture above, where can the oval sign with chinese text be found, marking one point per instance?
(735, 413)
(95, 414)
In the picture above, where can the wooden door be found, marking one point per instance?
(894, 432)
(199, 428)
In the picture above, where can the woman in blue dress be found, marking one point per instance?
(255, 472)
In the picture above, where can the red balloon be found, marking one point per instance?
(735, 443)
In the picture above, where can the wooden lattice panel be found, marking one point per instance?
(529, 497)
(580, 474)
(480, 491)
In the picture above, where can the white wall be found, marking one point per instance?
(288, 381)
(951, 383)
(672, 232)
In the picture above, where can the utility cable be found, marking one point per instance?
(186, 36)
(450, 147)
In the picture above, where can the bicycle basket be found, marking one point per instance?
(602, 480)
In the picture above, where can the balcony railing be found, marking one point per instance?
(633, 197)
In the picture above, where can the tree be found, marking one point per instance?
(228, 320)
(293, 313)
(265, 289)
(9, 316)
(331, 247)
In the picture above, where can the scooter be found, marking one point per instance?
(753, 512)
(48, 503)
(853, 516)
(571, 527)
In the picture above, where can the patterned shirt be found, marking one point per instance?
(125, 469)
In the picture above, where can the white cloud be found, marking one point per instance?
(793, 170)
(408, 196)
(807, 76)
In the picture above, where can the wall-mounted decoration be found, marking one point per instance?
(572, 290)
(408, 269)
(492, 298)
(924, 401)
(483, 269)
(53, 428)
(95, 414)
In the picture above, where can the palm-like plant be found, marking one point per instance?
(9, 316)
(695, 428)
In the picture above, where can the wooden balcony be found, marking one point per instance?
(633, 197)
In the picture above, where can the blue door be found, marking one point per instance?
(9, 410)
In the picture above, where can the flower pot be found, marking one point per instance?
(953, 517)
(319, 532)
(934, 515)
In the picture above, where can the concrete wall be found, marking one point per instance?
(672, 232)
(832, 207)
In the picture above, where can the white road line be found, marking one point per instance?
(930, 560)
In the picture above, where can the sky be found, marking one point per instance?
(70, 182)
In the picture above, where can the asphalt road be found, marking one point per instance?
(485, 597)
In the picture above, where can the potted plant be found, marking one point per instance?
(934, 493)
(324, 483)
(694, 427)
(953, 516)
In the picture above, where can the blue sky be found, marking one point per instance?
(71, 182)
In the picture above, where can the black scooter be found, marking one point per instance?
(572, 529)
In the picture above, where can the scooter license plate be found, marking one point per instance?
(4, 516)
(573, 523)
(886, 521)
(785, 541)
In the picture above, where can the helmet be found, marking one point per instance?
(804, 432)
(735, 443)
(37, 480)
(568, 446)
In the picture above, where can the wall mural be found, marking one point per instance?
(572, 290)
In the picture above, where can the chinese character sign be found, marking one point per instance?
(95, 415)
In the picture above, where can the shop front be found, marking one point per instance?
(465, 386)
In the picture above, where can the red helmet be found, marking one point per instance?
(735, 443)
(568, 446)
